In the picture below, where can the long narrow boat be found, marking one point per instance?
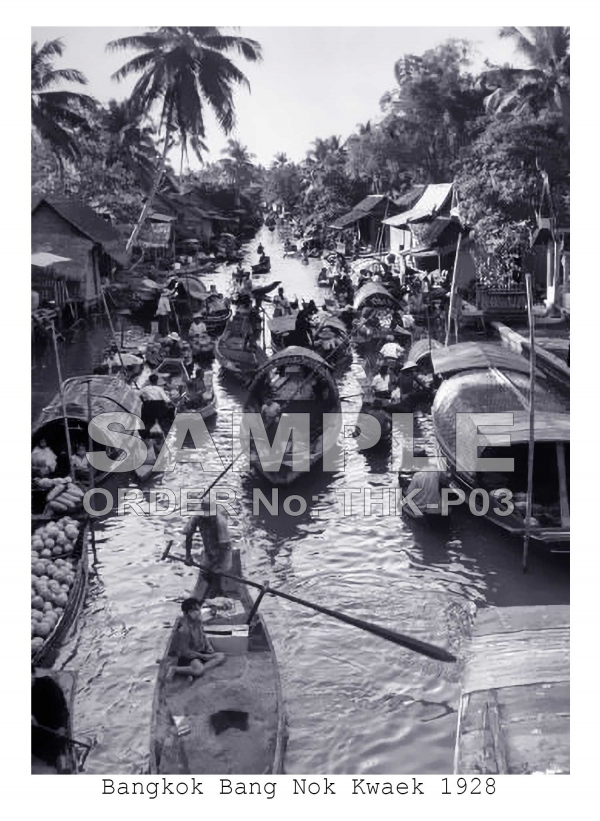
(108, 394)
(481, 390)
(232, 720)
(300, 382)
(215, 314)
(50, 575)
(375, 308)
(237, 350)
(280, 328)
(52, 699)
(331, 340)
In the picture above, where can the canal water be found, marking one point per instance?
(355, 703)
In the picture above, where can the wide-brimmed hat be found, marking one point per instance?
(174, 336)
(198, 316)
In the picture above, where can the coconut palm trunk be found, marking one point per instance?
(150, 199)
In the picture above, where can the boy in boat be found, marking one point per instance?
(216, 540)
(43, 459)
(195, 654)
(79, 462)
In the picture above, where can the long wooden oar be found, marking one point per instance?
(64, 737)
(417, 646)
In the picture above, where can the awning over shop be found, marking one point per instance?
(433, 200)
(43, 259)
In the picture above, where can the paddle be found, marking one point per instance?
(417, 646)
(350, 396)
(64, 737)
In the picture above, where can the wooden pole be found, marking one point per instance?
(531, 448)
(62, 401)
(112, 329)
(91, 467)
(451, 307)
(416, 645)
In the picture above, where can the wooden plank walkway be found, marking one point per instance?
(515, 704)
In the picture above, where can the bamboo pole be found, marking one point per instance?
(531, 447)
(91, 467)
(62, 401)
(451, 307)
(112, 329)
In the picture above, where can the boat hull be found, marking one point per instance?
(241, 696)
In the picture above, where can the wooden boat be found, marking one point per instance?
(280, 327)
(52, 700)
(324, 279)
(45, 656)
(331, 340)
(300, 381)
(375, 309)
(515, 705)
(108, 394)
(214, 317)
(234, 715)
(237, 350)
(199, 397)
(484, 390)
(262, 267)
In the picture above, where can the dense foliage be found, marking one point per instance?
(498, 134)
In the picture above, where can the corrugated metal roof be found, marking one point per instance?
(433, 199)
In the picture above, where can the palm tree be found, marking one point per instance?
(237, 164)
(280, 159)
(131, 142)
(545, 84)
(55, 114)
(183, 70)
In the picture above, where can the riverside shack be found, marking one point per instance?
(89, 245)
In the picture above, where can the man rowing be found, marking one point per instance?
(216, 540)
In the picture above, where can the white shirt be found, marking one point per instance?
(380, 383)
(164, 306)
(392, 349)
(197, 328)
(153, 393)
(428, 482)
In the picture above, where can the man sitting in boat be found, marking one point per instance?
(260, 250)
(270, 412)
(428, 484)
(194, 652)
(197, 328)
(43, 459)
(79, 462)
(380, 383)
(173, 345)
(156, 404)
(217, 544)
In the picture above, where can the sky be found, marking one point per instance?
(312, 81)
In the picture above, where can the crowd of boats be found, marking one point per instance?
(288, 354)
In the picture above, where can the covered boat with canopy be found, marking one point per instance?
(295, 380)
